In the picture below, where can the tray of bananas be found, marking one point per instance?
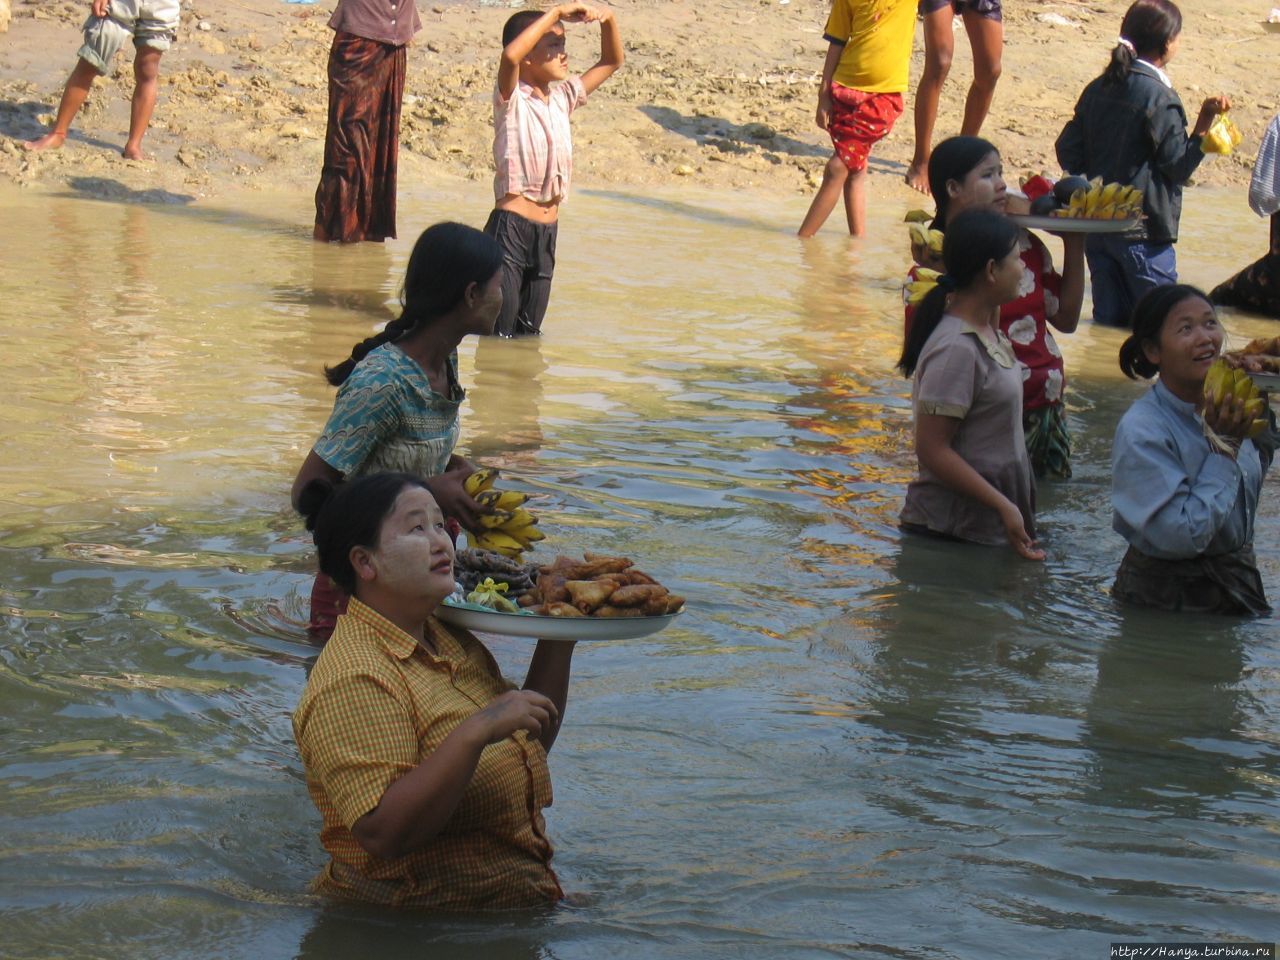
(1077, 205)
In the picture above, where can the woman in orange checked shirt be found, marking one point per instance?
(429, 769)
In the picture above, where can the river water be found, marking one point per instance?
(852, 745)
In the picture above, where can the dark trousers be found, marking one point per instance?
(1121, 271)
(528, 261)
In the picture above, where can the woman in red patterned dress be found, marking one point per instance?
(966, 173)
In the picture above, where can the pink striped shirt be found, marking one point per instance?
(532, 144)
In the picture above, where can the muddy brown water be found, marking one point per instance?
(853, 744)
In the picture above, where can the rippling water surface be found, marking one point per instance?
(852, 744)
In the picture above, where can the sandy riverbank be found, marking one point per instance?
(718, 93)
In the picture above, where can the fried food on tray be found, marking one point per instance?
(1262, 345)
(589, 594)
(597, 586)
(637, 595)
(615, 612)
(556, 610)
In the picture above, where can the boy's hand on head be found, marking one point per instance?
(576, 13)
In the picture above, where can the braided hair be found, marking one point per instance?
(446, 260)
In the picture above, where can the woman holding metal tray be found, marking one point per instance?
(428, 767)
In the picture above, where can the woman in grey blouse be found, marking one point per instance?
(1185, 503)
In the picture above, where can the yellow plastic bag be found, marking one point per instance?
(491, 595)
(1223, 136)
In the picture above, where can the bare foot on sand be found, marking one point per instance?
(50, 141)
(133, 153)
(918, 177)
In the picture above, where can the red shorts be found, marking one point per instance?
(859, 120)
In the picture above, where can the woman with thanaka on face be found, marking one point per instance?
(966, 173)
(429, 769)
(399, 393)
(975, 481)
(1185, 502)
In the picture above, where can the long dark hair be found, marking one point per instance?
(350, 515)
(1150, 25)
(953, 159)
(447, 258)
(1148, 318)
(974, 239)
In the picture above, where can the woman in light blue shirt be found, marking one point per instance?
(1185, 478)
(399, 394)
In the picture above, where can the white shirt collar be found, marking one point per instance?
(1164, 78)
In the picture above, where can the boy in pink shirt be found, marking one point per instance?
(533, 149)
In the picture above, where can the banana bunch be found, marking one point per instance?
(1099, 201)
(507, 527)
(1222, 380)
(913, 291)
(922, 236)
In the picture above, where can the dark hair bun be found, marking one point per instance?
(313, 498)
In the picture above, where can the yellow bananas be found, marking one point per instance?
(501, 499)
(479, 481)
(1223, 380)
(922, 236)
(505, 527)
(1103, 201)
(913, 291)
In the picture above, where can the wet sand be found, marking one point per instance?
(717, 93)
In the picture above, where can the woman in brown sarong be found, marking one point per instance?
(1256, 288)
(356, 199)
(1185, 476)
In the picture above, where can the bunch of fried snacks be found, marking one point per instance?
(597, 586)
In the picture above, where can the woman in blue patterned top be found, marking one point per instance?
(398, 392)
(1185, 497)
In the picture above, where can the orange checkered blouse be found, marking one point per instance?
(375, 705)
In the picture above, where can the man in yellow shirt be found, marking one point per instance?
(863, 80)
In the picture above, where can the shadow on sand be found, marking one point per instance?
(19, 121)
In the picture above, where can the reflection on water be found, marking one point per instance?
(852, 745)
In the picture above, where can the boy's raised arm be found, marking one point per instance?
(611, 51)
